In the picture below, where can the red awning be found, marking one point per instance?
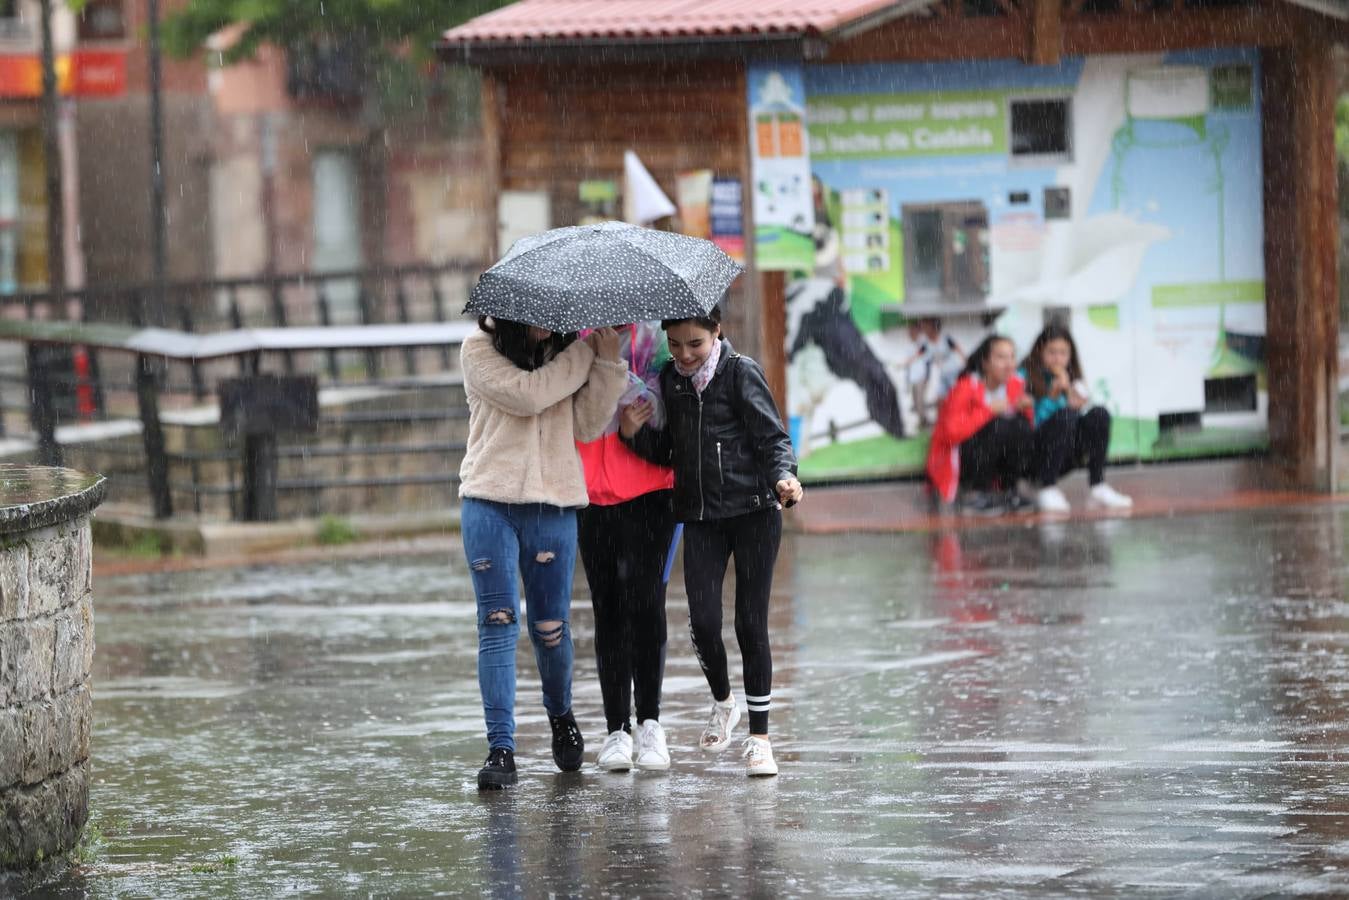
(549, 21)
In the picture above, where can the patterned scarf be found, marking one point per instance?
(703, 374)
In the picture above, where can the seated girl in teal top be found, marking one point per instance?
(1069, 431)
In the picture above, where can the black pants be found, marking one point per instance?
(997, 454)
(753, 540)
(623, 549)
(1069, 438)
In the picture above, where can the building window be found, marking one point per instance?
(945, 254)
(102, 20)
(12, 26)
(1041, 128)
(23, 211)
(337, 226)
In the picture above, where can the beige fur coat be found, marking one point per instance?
(523, 426)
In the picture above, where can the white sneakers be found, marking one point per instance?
(717, 734)
(757, 752)
(650, 752)
(616, 753)
(1103, 496)
(1026, 490)
(1051, 500)
(758, 756)
(652, 755)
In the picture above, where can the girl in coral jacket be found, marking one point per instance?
(625, 535)
(982, 441)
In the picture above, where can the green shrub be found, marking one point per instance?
(335, 530)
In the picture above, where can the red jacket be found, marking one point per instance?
(614, 474)
(962, 414)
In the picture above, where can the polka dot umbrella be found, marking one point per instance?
(586, 276)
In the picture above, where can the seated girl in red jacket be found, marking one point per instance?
(983, 439)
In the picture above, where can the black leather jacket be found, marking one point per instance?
(727, 445)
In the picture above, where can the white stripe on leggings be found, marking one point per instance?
(758, 704)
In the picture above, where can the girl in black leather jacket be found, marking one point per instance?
(734, 468)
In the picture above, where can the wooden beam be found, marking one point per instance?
(1086, 35)
(1301, 228)
(1046, 33)
(1281, 349)
(1318, 233)
(934, 40)
(909, 39)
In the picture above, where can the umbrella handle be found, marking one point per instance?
(670, 554)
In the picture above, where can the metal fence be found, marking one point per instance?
(85, 374)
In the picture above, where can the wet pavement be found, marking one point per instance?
(1138, 707)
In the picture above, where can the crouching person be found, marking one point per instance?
(1069, 430)
(982, 442)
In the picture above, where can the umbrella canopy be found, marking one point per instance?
(587, 276)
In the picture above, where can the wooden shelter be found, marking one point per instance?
(569, 85)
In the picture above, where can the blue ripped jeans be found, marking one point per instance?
(502, 542)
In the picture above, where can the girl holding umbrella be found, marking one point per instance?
(531, 394)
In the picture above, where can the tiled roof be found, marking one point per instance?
(548, 21)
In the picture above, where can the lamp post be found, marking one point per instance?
(42, 406)
(147, 368)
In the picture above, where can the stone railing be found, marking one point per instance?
(46, 652)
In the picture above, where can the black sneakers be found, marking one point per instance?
(568, 745)
(982, 503)
(499, 770)
(568, 751)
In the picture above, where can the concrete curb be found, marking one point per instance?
(126, 529)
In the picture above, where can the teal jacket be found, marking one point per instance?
(1044, 406)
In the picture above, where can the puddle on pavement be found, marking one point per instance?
(1089, 708)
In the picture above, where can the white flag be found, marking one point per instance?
(643, 200)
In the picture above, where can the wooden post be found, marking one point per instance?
(773, 336)
(492, 114)
(152, 434)
(1046, 33)
(260, 477)
(1301, 226)
(42, 407)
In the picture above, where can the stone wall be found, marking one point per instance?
(46, 652)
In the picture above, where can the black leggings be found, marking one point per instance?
(997, 454)
(623, 549)
(753, 540)
(1069, 438)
